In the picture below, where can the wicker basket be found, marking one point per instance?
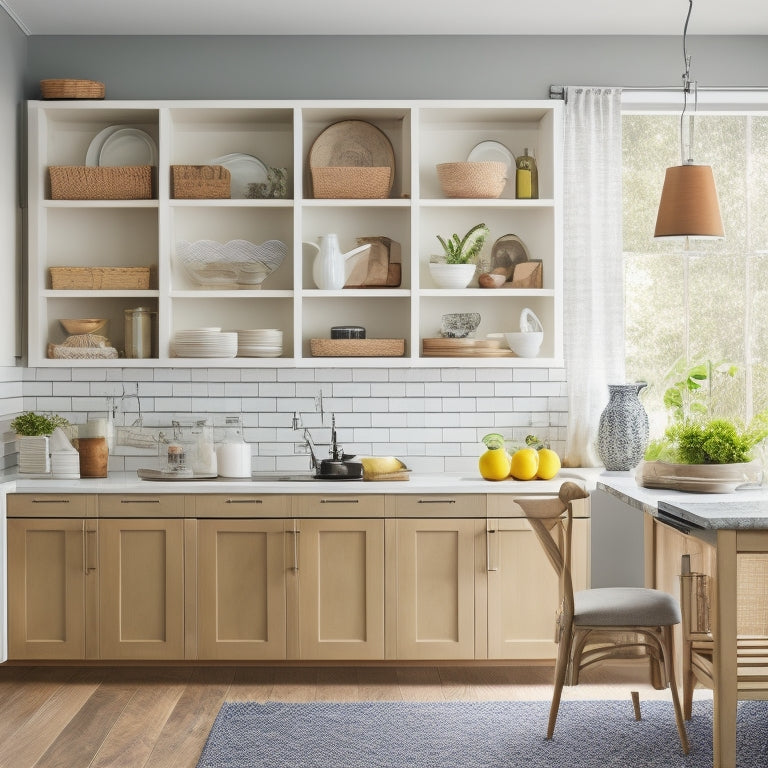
(200, 182)
(80, 182)
(99, 278)
(357, 347)
(472, 180)
(354, 183)
(72, 89)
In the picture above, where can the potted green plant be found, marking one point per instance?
(456, 266)
(32, 432)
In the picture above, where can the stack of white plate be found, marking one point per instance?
(33, 457)
(260, 342)
(65, 465)
(204, 342)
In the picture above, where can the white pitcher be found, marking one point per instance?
(328, 267)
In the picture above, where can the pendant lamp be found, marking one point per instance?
(689, 206)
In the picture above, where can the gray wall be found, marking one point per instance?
(411, 67)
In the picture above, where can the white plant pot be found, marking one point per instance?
(451, 275)
(34, 454)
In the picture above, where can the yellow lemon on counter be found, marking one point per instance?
(494, 464)
(549, 464)
(524, 464)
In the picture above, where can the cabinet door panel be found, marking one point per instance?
(241, 583)
(141, 589)
(341, 589)
(523, 589)
(435, 564)
(46, 589)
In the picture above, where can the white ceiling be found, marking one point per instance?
(387, 17)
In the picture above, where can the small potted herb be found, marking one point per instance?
(33, 431)
(456, 266)
(31, 424)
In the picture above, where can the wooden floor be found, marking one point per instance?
(136, 717)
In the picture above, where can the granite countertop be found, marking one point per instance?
(746, 508)
(128, 482)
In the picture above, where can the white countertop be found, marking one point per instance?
(128, 482)
(746, 508)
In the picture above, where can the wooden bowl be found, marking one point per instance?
(88, 325)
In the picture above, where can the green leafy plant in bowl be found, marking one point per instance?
(31, 424)
(464, 250)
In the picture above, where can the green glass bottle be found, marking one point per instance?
(526, 177)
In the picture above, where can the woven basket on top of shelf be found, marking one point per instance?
(80, 182)
(67, 88)
(472, 179)
(351, 183)
(99, 278)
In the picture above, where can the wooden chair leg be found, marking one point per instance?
(689, 679)
(667, 650)
(561, 666)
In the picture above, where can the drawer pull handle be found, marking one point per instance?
(339, 501)
(243, 501)
(50, 501)
(139, 501)
(437, 501)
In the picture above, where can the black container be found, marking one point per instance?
(348, 332)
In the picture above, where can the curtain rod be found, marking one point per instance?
(558, 91)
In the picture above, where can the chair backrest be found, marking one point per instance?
(552, 524)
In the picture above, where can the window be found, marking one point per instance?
(706, 305)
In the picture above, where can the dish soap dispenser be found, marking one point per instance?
(233, 455)
(526, 177)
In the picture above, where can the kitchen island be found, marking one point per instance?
(715, 530)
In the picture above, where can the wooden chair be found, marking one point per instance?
(597, 624)
(752, 630)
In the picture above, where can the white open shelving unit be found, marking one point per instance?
(280, 134)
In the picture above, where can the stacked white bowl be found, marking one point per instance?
(204, 342)
(260, 342)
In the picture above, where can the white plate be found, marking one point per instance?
(128, 146)
(243, 170)
(92, 155)
(493, 152)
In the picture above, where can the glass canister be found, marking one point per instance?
(138, 332)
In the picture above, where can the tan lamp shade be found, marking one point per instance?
(689, 204)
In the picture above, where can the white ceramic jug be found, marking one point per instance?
(328, 267)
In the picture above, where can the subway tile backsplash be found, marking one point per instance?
(432, 418)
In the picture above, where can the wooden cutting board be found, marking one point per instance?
(440, 347)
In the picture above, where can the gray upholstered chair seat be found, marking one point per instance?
(625, 606)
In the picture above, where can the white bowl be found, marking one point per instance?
(451, 275)
(525, 343)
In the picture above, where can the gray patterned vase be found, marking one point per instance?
(622, 434)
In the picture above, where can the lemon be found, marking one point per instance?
(524, 464)
(494, 464)
(549, 464)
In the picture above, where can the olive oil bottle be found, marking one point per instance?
(526, 177)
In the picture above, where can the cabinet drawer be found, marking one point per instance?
(338, 505)
(51, 505)
(243, 505)
(506, 505)
(439, 505)
(141, 505)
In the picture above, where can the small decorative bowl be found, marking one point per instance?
(472, 179)
(87, 325)
(451, 275)
(525, 343)
(459, 325)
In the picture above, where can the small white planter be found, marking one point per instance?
(451, 275)
(34, 454)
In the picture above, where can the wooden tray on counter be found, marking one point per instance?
(441, 347)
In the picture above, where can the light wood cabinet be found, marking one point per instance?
(523, 589)
(241, 588)
(141, 589)
(48, 577)
(434, 570)
(337, 577)
(147, 233)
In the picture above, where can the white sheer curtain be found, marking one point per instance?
(592, 270)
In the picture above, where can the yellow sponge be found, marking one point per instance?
(381, 465)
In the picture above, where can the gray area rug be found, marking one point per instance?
(493, 734)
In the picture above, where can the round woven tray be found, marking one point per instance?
(357, 347)
(482, 179)
(72, 89)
